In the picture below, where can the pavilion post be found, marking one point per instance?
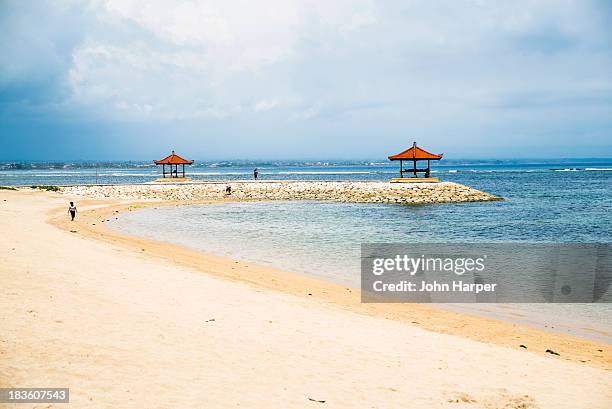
(164, 170)
(401, 169)
(183, 171)
(415, 169)
(427, 174)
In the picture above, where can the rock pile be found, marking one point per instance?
(345, 191)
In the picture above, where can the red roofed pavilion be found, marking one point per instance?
(173, 160)
(414, 154)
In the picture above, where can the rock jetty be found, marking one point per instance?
(345, 191)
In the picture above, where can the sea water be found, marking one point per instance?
(323, 238)
(454, 170)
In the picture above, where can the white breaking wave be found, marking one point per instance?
(126, 174)
(218, 173)
(325, 173)
(52, 174)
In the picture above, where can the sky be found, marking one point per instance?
(293, 79)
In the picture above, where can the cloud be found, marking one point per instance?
(305, 114)
(293, 67)
(265, 105)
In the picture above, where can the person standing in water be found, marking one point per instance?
(72, 210)
(255, 173)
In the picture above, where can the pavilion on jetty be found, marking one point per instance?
(415, 154)
(173, 160)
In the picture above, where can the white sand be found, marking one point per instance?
(123, 329)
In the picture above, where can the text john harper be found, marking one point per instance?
(434, 286)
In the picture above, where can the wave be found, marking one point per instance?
(52, 175)
(220, 173)
(325, 173)
(83, 174)
(599, 169)
(119, 174)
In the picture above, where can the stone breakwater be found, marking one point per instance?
(353, 192)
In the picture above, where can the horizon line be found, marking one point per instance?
(304, 160)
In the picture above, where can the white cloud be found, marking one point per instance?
(184, 23)
(359, 20)
(193, 57)
(265, 105)
(305, 114)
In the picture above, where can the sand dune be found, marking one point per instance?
(124, 329)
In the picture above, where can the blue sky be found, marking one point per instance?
(132, 79)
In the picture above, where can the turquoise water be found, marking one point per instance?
(323, 239)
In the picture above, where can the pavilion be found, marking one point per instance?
(173, 160)
(414, 154)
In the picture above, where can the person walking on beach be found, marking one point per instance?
(72, 210)
(255, 173)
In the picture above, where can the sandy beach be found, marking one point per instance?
(132, 323)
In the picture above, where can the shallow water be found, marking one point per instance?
(323, 239)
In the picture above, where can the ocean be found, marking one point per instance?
(554, 201)
(474, 172)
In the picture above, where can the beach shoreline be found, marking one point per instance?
(447, 321)
(114, 317)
